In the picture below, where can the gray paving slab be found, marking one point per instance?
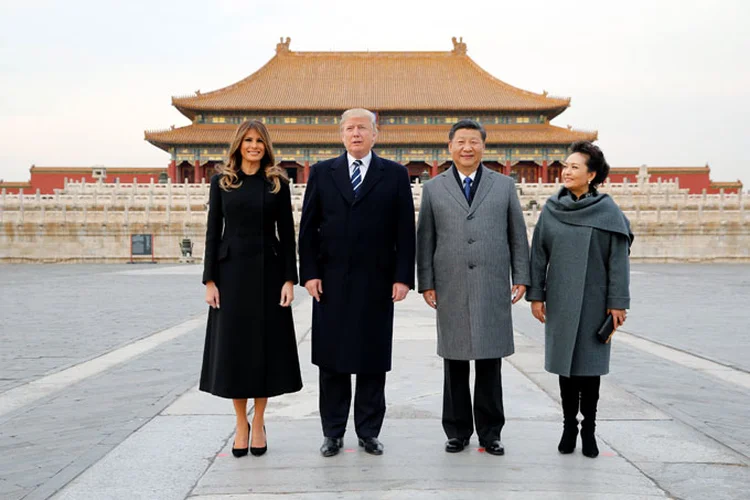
(697, 480)
(65, 434)
(79, 312)
(713, 406)
(451, 494)
(696, 307)
(615, 403)
(414, 460)
(415, 464)
(160, 461)
(54, 316)
(686, 419)
(165, 458)
(661, 426)
(664, 442)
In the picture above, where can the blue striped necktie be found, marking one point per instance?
(467, 189)
(356, 176)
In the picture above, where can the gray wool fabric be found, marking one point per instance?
(579, 268)
(597, 210)
(468, 255)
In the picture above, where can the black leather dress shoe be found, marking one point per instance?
(331, 446)
(494, 448)
(371, 445)
(454, 445)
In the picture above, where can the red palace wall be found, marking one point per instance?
(47, 179)
(695, 181)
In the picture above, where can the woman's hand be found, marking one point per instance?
(539, 311)
(618, 316)
(212, 294)
(287, 294)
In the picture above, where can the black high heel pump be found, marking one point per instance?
(241, 452)
(256, 452)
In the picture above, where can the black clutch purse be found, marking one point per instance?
(604, 334)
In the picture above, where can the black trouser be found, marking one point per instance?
(336, 397)
(488, 400)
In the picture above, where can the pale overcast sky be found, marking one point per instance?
(665, 82)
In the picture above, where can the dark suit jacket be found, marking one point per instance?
(359, 247)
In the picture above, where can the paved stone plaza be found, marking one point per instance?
(98, 368)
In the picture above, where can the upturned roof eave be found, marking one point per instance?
(193, 109)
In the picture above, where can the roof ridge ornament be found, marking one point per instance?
(459, 47)
(283, 46)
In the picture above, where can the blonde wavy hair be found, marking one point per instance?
(274, 174)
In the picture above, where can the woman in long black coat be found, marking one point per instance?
(249, 273)
(579, 275)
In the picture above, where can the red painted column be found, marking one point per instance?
(197, 171)
(545, 172)
(172, 170)
(506, 168)
(305, 172)
(433, 169)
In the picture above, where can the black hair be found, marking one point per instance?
(595, 161)
(470, 124)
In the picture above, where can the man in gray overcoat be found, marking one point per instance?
(471, 239)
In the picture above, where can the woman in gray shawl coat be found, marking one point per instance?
(579, 275)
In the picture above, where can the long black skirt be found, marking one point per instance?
(251, 348)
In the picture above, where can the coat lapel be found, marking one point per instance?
(485, 186)
(340, 172)
(374, 174)
(450, 185)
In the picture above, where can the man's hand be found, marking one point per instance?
(212, 295)
(399, 292)
(518, 291)
(314, 288)
(618, 316)
(430, 297)
(539, 311)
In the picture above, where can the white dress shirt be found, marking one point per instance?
(463, 177)
(362, 168)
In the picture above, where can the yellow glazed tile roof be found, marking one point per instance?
(300, 135)
(380, 81)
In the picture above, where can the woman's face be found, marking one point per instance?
(252, 147)
(575, 173)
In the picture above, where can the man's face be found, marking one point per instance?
(358, 136)
(466, 148)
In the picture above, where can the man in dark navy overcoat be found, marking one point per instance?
(356, 245)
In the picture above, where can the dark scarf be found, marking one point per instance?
(595, 210)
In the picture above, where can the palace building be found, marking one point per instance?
(416, 96)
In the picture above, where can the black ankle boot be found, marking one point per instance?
(589, 400)
(588, 442)
(569, 394)
(568, 440)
